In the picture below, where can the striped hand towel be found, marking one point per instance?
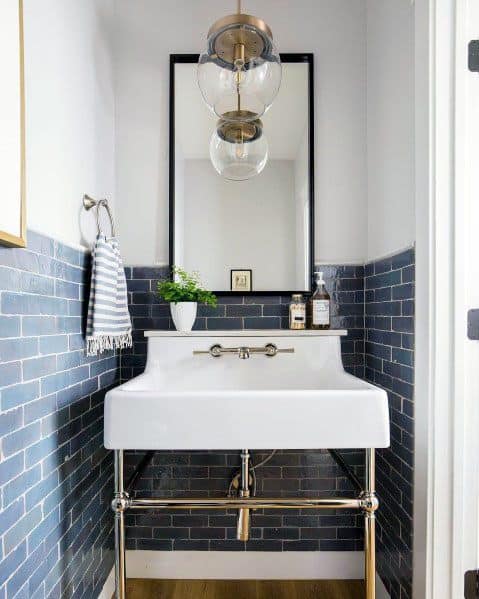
(109, 323)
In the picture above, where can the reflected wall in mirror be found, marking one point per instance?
(263, 225)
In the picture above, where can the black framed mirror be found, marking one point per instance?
(253, 237)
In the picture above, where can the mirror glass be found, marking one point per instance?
(248, 236)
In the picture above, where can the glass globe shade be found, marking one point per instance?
(238, 161)
(250, 86)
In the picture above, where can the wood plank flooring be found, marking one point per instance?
(244, 589)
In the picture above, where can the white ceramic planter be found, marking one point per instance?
(184, 315)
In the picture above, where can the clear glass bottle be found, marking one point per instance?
(319, 305)
(297, 312)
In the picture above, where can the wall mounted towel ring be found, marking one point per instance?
(89, 203)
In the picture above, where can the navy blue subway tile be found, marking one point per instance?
(244, 310)
(407, 341)
(224, 323)
(39, 325)
(35, 368)
(67, 290)
(53, 344)
(16, 395)
(149, 272)
(12, 561)
(404, 259)
(384, 265)
(40, 244)
(407, 307)
(404, 291)
(10, 373)
(403, 356)
(18, 303)
(203, 310)
(67, 254)
(390, 364)
(383, 308)
(383, 280)
(403, 324)
(265, 322)
(17, 349)
(10, 326)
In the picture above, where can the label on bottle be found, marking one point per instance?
(297, 316)
(320, 312)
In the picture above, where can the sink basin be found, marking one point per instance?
(298, 400)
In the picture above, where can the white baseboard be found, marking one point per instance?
(224, 565)
(252, 565)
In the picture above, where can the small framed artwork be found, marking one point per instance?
(12, 126)
(242, 280)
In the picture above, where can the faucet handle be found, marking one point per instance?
(271, 350)
(215, 351)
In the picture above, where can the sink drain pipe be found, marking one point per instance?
(243, 525)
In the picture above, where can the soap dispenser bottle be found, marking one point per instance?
(319, 304)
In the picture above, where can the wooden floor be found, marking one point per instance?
(244, 589)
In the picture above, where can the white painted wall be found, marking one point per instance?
(69, 113)
(147, 31)
(364, 200)
(390, 126)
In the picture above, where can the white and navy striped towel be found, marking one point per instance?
(109, 323)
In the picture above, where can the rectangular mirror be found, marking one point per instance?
(253, 236)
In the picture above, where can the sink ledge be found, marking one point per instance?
(250, 333)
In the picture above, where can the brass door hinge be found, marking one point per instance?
(471, 584)
(473, 56)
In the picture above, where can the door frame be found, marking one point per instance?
(447, 364)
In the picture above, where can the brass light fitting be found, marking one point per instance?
(237, 127)
(239, 38)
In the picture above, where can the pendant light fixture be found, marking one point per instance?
(239, 149)
(239, 73)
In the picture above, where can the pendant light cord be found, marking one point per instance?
(239, 7)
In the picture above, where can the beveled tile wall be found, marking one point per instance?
(209, 473)
(55, 475)
(389, 350)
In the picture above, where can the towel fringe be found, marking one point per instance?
(102, 343)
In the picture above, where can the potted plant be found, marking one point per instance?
(184, 293)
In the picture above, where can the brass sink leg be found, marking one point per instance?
(119, 505)
(242, 530)
(370, 505)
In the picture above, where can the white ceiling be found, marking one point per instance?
(284, 123)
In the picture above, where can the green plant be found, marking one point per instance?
(186, 287)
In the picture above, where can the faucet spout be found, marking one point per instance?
(243, 353)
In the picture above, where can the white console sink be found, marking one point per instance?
(300, 400)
